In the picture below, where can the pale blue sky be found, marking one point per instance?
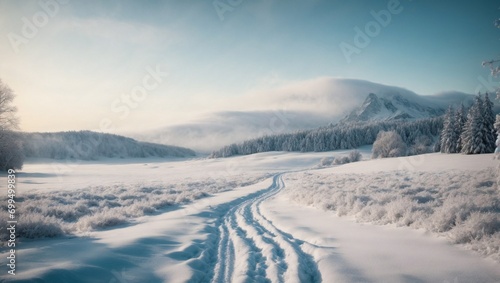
(69, 74)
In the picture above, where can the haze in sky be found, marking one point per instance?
(132, 65)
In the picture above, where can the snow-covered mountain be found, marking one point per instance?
(298, 106)
(395, 107)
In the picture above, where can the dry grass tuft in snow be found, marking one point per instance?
(461, 205)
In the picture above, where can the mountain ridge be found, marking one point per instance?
(295, 106)
(394, 108)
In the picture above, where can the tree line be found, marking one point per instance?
(419, 135)
(88, 145)
(469, 132)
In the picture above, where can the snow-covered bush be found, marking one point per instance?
(476, 226)
(388, 144)
(355, 156)
(422, 145)
(33, 226)
(102, 219)
(326, 161)
(341, 160)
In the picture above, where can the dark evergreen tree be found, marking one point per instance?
(460, 120)
(497, 127)
(489, 135)
(473, 132)
(449, 136)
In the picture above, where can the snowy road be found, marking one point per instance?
(262, 237)
(249, 248)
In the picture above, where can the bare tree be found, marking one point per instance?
(11, 155)
(8, 118)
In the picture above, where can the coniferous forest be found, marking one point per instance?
(417, 134)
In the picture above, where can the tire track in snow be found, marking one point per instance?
(247, 247)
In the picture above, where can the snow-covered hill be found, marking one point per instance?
(298, 106)
(87, 145)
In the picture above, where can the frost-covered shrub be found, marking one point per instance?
(355, 156)
(399, 211)
(326, 161)
(342, 160)
(477, 226)
(33, 226)
(451, 214)
(99, 220)
(388, 144)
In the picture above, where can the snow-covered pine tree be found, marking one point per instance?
(460, 120)
(489, 135)
(495, 72)
(448, 134)
(437, 144)
(497, 127)
(472, 135)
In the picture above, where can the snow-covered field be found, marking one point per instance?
(57, 197)
(455, 196)
(270, 217)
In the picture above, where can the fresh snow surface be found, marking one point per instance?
(246, 226)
